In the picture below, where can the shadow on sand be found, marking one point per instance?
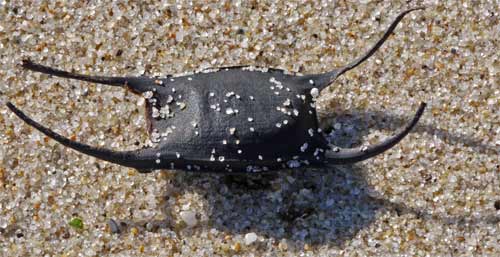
(315, 206)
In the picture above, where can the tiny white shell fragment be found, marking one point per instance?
(155, 113)
(181, 105)
(169, 99)
(293, 164)
(147, 94)
(303, 148)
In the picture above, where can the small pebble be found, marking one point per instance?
(114, 227)
(189, 217)
(250, 238)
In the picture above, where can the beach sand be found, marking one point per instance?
(434, 194)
